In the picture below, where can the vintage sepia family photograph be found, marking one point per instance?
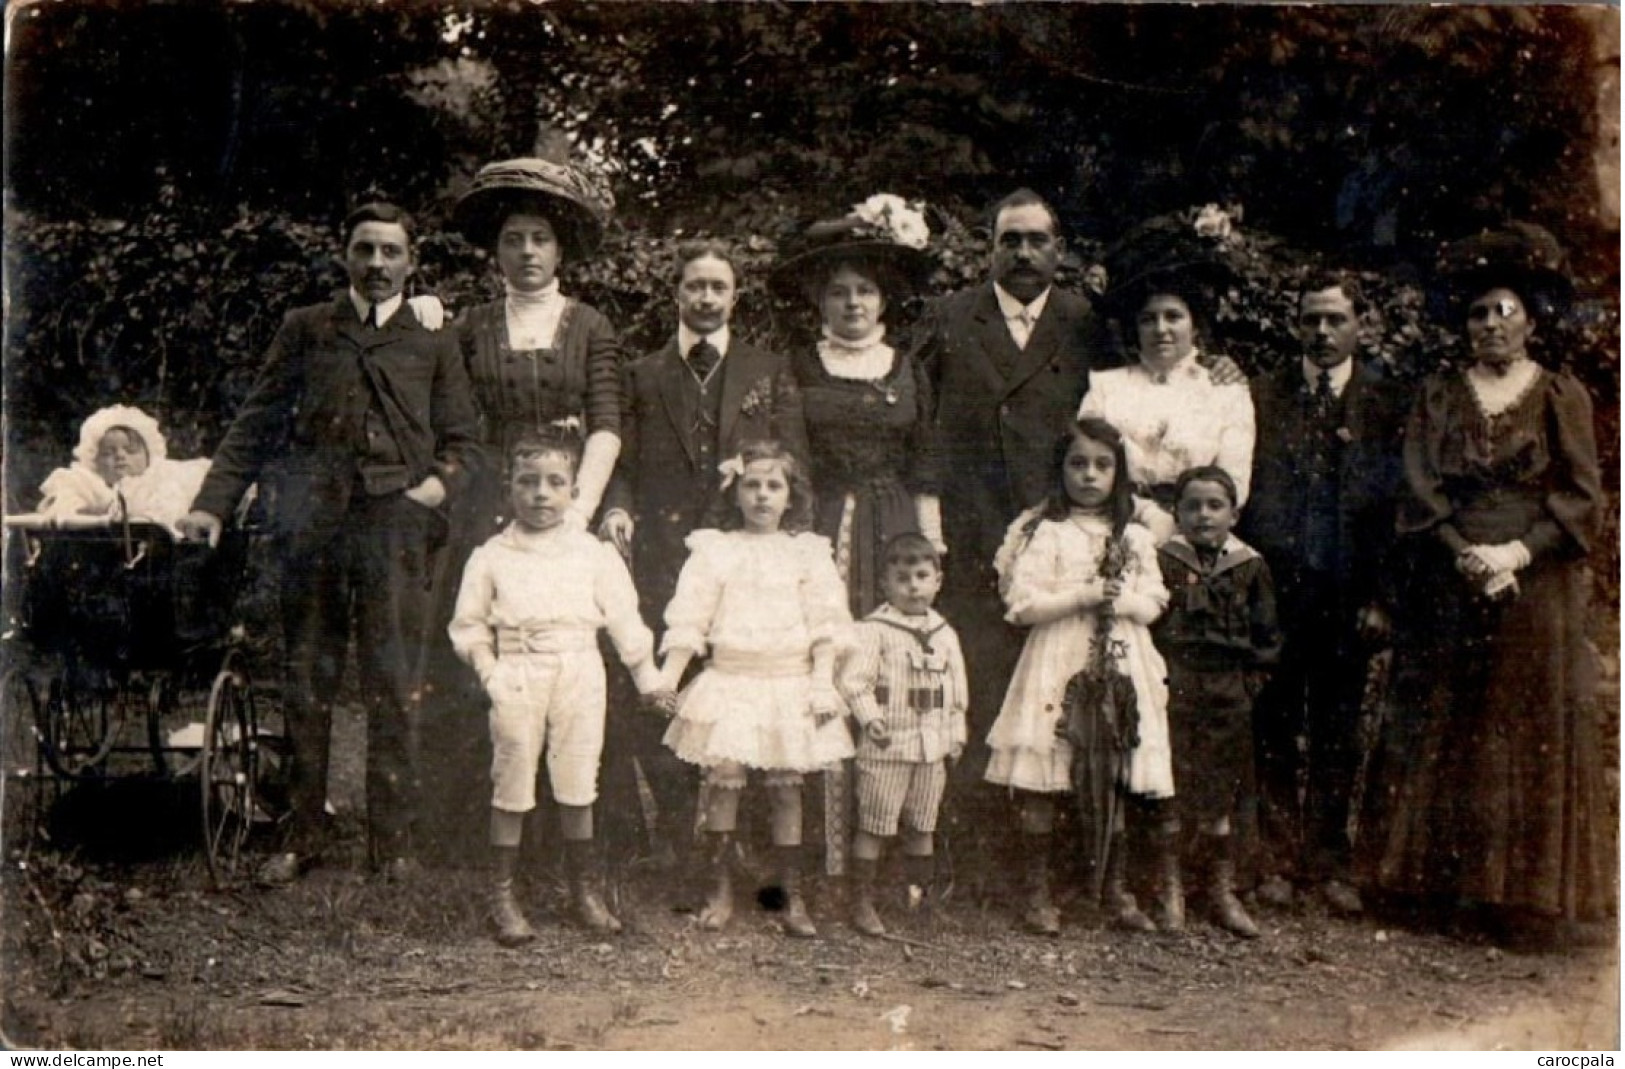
(586, 526)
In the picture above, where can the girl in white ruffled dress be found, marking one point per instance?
(121, 470)
(1064, 567)
(764, 602)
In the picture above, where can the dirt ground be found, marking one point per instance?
(146, 955)
(111, 936)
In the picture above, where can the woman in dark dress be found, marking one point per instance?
(868, 409)
(1485, 793)
(540, 363)
(874, 457)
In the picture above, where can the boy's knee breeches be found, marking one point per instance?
(552, 702)
(909, 792)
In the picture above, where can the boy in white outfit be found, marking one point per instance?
(532, 601)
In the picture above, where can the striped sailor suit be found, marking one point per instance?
(910, 674)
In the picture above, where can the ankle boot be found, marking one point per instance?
(1041, 916)
(719, 903)
(1170, 890)
(1117, 900)
(920, 872)
(580, 864)
(1227, 909)
(797, 921)
(864, 917)
(506, 916)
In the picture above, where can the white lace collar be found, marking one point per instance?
(1497, 393)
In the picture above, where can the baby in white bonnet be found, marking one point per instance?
(121, 469)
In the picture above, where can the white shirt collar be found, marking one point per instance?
(687, 339)
(386, 309)
(1341, 374)
(1012, 308)
(886, 611)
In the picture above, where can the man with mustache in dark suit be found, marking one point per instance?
(363, 425)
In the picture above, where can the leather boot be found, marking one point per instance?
(580, 864)
(1228, 912)
(864, 917)
(921, 872)
(797, 921)
(1170, 914)
(1041, 916)
(1117, 900)
(719, 903)
(506, 916)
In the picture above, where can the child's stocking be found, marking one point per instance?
(1119, 904)
(581, 865)
(864, 916)
(719, 902)
(1221, 892)
(512, 927)
(797, 921)
(1170, 889)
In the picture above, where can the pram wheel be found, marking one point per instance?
(228, 770)
(80, 726)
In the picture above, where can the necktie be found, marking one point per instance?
(1325, 400)
(1022, 322)
(703, 359)
(372, 317)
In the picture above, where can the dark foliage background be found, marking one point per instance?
(174, 171)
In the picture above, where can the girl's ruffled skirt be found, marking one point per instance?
(760, 722)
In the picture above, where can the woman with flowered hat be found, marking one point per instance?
(1485, 792)
(868, 410)
(542, 365)
(874, 456)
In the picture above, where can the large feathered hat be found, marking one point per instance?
(1185, 254)
(1521, 257)
(884, 230)
(578, 210)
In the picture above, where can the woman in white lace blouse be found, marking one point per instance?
(1174, 408)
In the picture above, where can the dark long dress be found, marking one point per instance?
(1485, 785)
(516, 391)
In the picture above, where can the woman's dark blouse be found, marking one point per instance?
(1528, 473)
(521, 391)
(866, 432)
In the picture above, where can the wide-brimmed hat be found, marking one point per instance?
(884, 230)
(577, 209)
(1185, 254)
(1522, 257)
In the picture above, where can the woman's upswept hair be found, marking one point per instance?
(1120, 503)
(798, 517)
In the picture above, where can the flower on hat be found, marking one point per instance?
(1212, 222)
(888, 216)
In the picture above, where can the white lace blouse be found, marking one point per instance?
(1175, 421)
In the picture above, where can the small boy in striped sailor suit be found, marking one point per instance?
(904, 681)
